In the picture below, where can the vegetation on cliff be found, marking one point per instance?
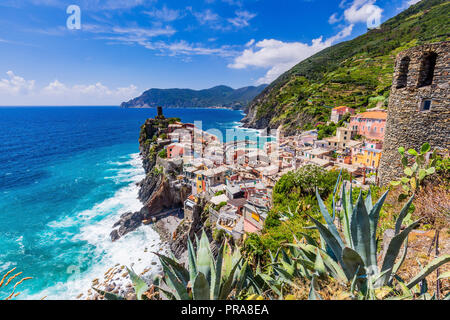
(356, 73)
(220, 96)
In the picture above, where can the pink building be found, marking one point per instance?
(175, 150)
(369, 124)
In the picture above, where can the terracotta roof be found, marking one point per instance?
(373, 115)
(340, 108)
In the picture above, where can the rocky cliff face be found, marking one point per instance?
(158, 192)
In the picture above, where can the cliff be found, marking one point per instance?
(357, 73)
(158, 192)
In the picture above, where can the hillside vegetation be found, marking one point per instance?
(356, 73)
(220, 96)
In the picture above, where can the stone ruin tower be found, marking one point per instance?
(419, 105)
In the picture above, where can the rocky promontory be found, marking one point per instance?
(157, 191)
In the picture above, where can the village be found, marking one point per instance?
(236, 179)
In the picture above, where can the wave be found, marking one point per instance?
(100, 253)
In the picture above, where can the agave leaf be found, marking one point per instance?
(108, 295)
(333, 267)
(368, 201)
(200, 289)
(313, 295)
(173, 282)
(287, 263)
(400, 262)
(360, 228)
(353, 263)
(402, 215)
(330, 223)
(140, 287)
(181, 273)
(227, 285)
(217, 278)
(191, 260)
(374, 217)
(334, 195)
(432, 266)
(346, 213)
(310, 240)
(329, 238)
(319, 265)
(204, 257)
(393, 251)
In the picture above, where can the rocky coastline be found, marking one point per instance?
(162, 199)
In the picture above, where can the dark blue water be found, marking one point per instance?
(66, 174)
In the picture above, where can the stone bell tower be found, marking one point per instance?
(419, 105)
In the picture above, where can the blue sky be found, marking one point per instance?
(125, 47)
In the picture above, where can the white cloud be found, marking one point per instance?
(279, 56)
(15, 90)
(242, 19)
(333, 19)
(206, 16)
(411, 2)
(183, 47)
(15, 85)
(144, 32)
(363, 11)
(164, 14)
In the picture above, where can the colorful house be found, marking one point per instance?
(175, 150)
(369, 156)
(370, 124)
(338, 113)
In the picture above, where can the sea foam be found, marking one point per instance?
(134, 250)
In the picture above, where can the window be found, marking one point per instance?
(425, 105)
(402, 79)
(426, 73)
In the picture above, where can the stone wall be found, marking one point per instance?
(407, 124)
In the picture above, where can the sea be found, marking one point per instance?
(66, 176)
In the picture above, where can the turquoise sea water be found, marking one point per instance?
(66, 175)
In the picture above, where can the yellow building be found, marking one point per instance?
(369, 158)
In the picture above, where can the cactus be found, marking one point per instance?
(415, 174)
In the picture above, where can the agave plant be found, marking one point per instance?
(141, 288)
(356, 252)
(208, 278)
(351, 259)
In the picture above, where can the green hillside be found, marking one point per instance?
(356, 73)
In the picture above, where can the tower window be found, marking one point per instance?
(403, 73)
(426, 105)
(427, 69)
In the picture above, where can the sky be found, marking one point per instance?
(114, 50)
